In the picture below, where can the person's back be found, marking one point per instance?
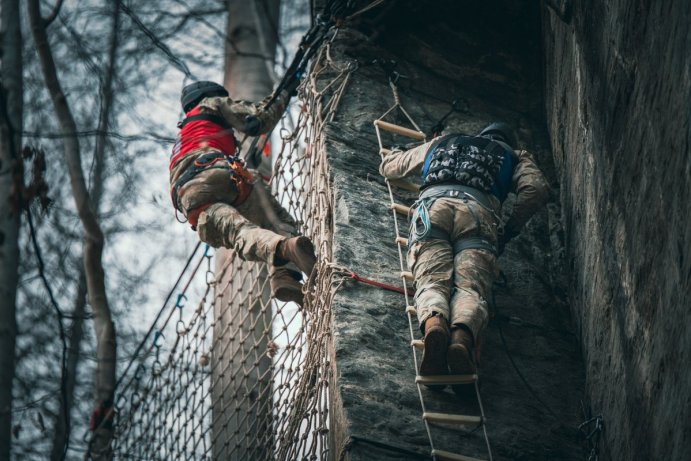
(456, 234)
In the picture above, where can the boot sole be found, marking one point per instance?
(460, 362)
(434, 356)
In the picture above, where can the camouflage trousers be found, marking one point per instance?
(456, 286)
(247, 228)
(253, 228)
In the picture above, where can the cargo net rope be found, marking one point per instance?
(227, 372)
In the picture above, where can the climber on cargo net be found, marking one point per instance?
(223, 200)
(456, 234)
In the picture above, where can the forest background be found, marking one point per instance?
(90, 246)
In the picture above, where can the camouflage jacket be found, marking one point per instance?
(235, 111)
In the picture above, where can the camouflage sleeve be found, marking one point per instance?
(532, 192)
(235, 112)
(399, 164)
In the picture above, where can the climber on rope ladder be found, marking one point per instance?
(456, 234)
(222, 199)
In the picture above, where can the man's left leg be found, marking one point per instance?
(262, 209)
(431, 262)
(474, 273)
(221, 225)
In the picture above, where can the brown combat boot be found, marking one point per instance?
(460, 356)
(298, 250)
(436, 342)
(285, 285)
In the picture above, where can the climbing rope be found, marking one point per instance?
(384, 286)
(397, 209)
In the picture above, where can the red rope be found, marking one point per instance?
(383, 286)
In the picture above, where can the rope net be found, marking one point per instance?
(227, 372)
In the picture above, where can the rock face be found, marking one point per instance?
(490, 63)
(618, 92)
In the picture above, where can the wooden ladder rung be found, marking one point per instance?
(418, 343)
(417, 135)
(447, 418)
(402, 240)
(441, 455)
(400, 209)
(411, 310)
(407, 275)
(446, 380)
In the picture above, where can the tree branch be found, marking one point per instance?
(53, 14)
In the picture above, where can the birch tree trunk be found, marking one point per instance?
(63, 417)
(93, 235)
(251, 42)
(10, 184)
(62, 431)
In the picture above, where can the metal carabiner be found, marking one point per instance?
(420, 224)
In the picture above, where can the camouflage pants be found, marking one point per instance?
(455, 286)
(247, 228)
(253, 229)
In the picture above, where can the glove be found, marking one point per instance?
(252, 125)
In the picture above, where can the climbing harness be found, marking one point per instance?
(421, 228)
(237, 174)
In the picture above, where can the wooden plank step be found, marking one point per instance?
(403, 131)
(441, 455)
(447, 418)
(411, 310)
(448, 380)
(402, 240)
(418, 343)
(400, 209)
(407, 275)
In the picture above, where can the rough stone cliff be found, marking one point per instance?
(491, 65)
(596, 304)
(618, 95)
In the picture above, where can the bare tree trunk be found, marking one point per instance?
(62, 424)
(246, 77)
(93, 235)
(11, 106)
